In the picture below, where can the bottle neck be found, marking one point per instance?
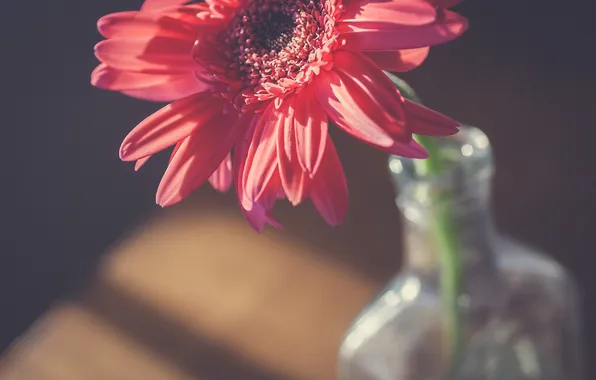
(451, 203)
(475, 231)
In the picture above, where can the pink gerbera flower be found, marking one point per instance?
(255, 83)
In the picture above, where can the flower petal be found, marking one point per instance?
(117, 80)
(173, 154)
(424, 121)
(346, 112)
(447, 27)
(178, 89)
(386, 13)
(329, 191)
(310, 129)
(221, 179)
(169, 125)
(148, 86)
(261, 161)
(362, 100)
(140, 162)
(159, 54)
(399, 60)
(197, 158)
(260, 213)
(293, 178)
(374, 90)
(398, 124)
(158, 5)
(256, 214)
(241, 149)
(178, 24)
(225, 3)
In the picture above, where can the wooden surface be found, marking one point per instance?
(71, 342)
(193, 297)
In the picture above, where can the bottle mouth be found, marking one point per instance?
(465, 175)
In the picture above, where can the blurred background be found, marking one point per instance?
(118, 284)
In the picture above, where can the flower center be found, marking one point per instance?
(273, 39)
(273, 32)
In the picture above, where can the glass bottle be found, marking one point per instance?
(518, 308)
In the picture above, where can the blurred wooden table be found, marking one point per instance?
(191, 296)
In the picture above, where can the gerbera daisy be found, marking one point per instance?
(254, 85)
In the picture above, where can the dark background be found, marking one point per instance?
(524, 73)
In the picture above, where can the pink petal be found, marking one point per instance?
(292, 176)
(361, 100)
(346, 112)
(368, 77)
(140, 162)
(310, 128)
(224, 8)
(218, 11)
(424, 121)
(197, 158)
(159, 54)
(158, 5)
(373, 89)
(148, 86)
(329, 191)
(259, 215)
(261, 162)
(174, 151)
(225, 3)
(363, 77)
(256, 214)
(168, 92)
(399, 60)
(260, 212)
(179, 24)
(410, 148)
(221, 179)
(117, 80)
(350, 61)
(386, 13)
(361, 38)
(169, 125)
(241, 149)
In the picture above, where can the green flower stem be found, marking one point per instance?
(444, 232)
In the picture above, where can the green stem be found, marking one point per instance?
(446, 242)
(444, 231)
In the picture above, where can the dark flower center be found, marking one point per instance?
(274, 32)
(273, 39)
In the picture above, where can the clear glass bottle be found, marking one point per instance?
(518, 308)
